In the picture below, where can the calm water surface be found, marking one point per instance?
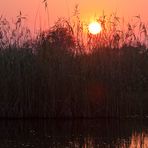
(73, 134)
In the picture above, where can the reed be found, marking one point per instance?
(52, 76)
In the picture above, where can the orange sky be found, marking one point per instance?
(59, 8)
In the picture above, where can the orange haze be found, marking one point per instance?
(59, 8)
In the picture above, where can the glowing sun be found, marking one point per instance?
(94, 28)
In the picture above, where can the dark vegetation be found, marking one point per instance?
(57, 75)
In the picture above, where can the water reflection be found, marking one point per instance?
(73, 134)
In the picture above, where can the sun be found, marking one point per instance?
(94, 28)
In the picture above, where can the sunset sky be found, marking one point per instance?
(60, 8)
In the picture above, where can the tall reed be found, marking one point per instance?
(52, 76)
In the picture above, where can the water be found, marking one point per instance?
(73, 134)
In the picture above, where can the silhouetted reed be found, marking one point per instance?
(54, 76)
